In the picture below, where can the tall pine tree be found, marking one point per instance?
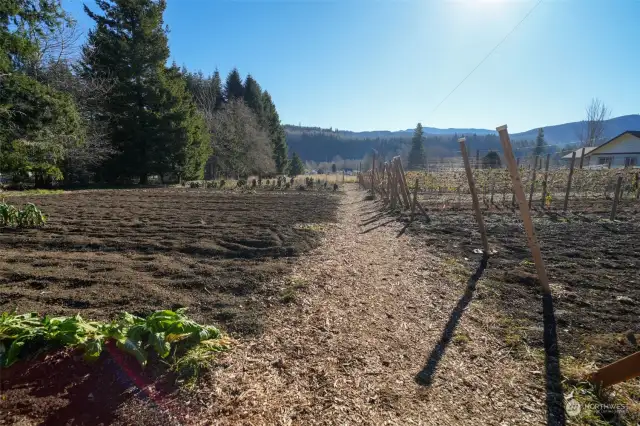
(216, 84)
(233, 88)
(253, 97)
(276, 133)
(296, 167)
(153, 124)
(416, 155)
(541, 145)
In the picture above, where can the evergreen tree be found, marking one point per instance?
(416, 155)
(334, 168)
(491, 160)
(153, 124)
(541, 145)
(276, 132)
(216, 86)
(233, 88)
(296, 167)
(253, 97)
(37, 124)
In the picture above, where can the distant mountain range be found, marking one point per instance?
(557, 134)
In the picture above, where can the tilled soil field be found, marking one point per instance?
(593, 266)
(221, 254)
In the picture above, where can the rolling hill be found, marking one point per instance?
(317, 144)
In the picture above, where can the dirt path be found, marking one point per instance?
(364, 344)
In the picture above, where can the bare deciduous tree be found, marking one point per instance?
(239, 144)
(592, 129)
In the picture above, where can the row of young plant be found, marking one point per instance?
(585, 182)
(188, 347)
(29, 217)
(279, 183)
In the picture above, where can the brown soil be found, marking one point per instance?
(215, 252)
(224, 255)
(386, 332)
(60, 388)
(591, 261)
(386, 327)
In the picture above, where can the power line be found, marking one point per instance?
(487, 56)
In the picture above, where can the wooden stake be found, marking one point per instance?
(619, 371)
(402, 183)
(533, 180)
(544, 183)
(373, 168)
(566, 196)
(474, 197)
(513, 193)
(581, 158)
(393, 185)
(386, 165)
(477, 159)
(415, 199)
(616, 198)
(524, 211)
(403, 177)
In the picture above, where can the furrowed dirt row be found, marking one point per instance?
(592, 264)
(215, 252)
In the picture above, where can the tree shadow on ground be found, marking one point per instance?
(425, 376)
(553, 376)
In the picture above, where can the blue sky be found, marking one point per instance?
(385, 65)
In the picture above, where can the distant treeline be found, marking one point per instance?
(318, 145)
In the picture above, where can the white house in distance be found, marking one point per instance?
(621, 151)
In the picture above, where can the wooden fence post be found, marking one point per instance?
(566, 197)
(373, 168)
(403, 176)
(616, 198)
(388, 174)
(544, 183)
(524, 211)
(393, 185)
(401, 183)
(619, 371)
(477, 158)
(415, 200)
(582, 157)
(513, 193)
(533, 180)
(474, 197)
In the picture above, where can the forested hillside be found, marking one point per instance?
(320, 146)
(317, 144)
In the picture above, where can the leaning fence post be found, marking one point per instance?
(582, 157)
(403, 179)
(544, 183)
(566, 197)
(513, 193)
(616, 198)
(474, 197)
(533, 180)
(524, 211)
(402, 183)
